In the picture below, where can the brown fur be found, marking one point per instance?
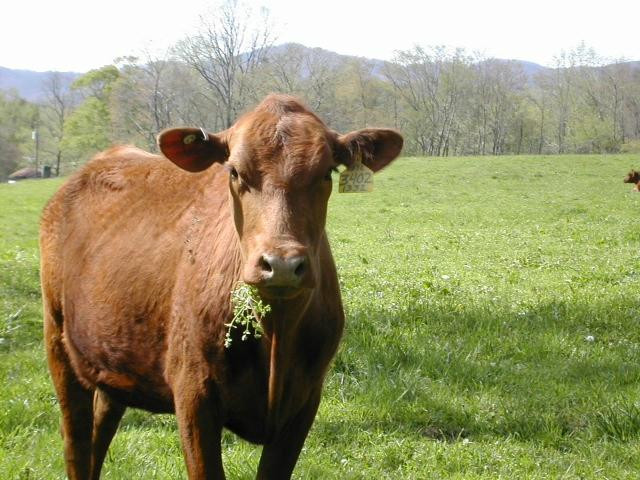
(633, 177)
(138, 261)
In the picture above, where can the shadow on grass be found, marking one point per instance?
(437, 373)
(549, 373)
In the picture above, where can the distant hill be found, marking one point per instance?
(531, 69)
(377, 66)
(635, 65)
(27, 83)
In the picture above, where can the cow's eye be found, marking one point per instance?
(234, 173)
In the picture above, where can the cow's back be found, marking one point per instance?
(114, 239)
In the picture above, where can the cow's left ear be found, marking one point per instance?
(193, 149)
(376, 147)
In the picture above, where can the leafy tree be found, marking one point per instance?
(88, 129)
(444, 101)
(98, 83)
(9, 155)
(18, 118)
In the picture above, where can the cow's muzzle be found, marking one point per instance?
(286, 272)
(278, 276)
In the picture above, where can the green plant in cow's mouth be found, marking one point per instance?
(248, 310)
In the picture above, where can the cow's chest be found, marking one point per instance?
(245, 396)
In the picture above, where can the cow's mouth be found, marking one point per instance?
(279, 292)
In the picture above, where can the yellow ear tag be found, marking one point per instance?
(356, 179)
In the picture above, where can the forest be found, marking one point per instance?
(446, 102)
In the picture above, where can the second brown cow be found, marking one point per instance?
(138, 261)
(633, 177)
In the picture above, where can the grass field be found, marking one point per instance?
(493, 331)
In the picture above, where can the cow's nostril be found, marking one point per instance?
(265, 265)
(301, 268)
(277, 270)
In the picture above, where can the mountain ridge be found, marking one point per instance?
(29, 83)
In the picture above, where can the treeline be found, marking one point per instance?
(445, 102)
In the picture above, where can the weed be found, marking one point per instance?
(248, 311)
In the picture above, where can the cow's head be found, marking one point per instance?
(279, 159)
(632, 177)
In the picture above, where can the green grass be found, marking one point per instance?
(20, 309)
(493, 331)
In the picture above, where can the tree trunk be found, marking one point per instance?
(58, 157)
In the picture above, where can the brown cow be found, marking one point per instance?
(633, 177)
(138, 261)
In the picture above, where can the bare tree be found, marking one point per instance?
(433, 84)
(561, 93)
(143, 101)
(283, 70)
(59, 101)
(617, 79)
(506, 82)
(538, 96)
(632, 107)
(227, 49)
(320, 80)
(365, 85)
(480, 98)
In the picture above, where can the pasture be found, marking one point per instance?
(493, 331)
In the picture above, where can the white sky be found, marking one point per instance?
(77, 35)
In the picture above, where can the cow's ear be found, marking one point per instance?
(193, 149)
(376, 147)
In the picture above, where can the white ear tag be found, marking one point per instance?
(356, 179)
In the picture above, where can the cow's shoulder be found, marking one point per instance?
(118, 168)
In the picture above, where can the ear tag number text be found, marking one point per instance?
(356, 179)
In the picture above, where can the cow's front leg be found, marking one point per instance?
(280, 455)
(107, 414)
(200, 428)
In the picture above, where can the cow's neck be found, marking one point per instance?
(281, 327)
